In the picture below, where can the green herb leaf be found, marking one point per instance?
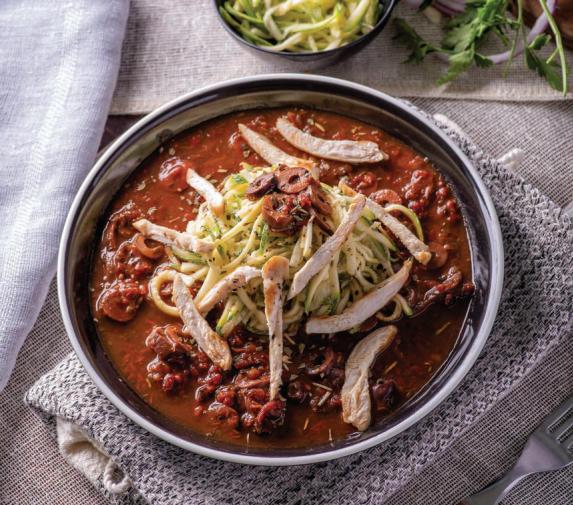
(466, 34)
(545, 70)
(208, 231)
(540, 41)
(264, 236)
(458, 63)
(239, 179)
(419, 47)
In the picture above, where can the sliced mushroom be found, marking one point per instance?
(262, 185)
(221, 290)
(323, 225)
(243, 382)
(439, 255)
(275, 271)
(355, 394)
(453, 280)
(327, 250)
(319, 199)
(293, 180)
(167, 343)
(349, 151)
(172, 237)
(272, 154)
(213, 198)
(210, 343)
(121, 301)
(386, 196)
(149, 252)
(326, 366)
(275, 211)
(362, 309)
(417, 248)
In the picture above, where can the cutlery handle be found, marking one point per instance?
(492, 494)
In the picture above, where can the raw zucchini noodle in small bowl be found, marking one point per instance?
(304, 30)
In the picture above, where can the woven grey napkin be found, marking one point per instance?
(59, 62)
(535, 316)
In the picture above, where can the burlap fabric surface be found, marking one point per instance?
(463, 444)
(174, 47)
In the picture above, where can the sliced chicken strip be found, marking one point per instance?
(362, 309)
(417, 248)
(355, 394)
(221, 290)
(272, 154)
(327, 250)
(172, 237)
(275, 271)
(213, 198)
(349, 151)
(210, 343)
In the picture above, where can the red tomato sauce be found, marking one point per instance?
(196, 393)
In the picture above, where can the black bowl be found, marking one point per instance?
(320, 59)
(282, 90)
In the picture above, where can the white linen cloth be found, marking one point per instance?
(59, 63)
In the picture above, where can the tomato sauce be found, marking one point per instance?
(208, 401)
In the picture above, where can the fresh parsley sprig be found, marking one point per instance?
(466, 34)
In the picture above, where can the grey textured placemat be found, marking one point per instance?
(534, 318)
(173, 47)
(544, 130)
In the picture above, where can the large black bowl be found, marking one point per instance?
(312, 61)
(362, 103)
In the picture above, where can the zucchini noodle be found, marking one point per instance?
(154, 290)
(395, 314)
(243, 238)
(301, 26)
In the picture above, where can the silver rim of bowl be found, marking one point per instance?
(455, 378)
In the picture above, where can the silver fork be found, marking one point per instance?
(549, 447)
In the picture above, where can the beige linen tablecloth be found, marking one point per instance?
(177, 46)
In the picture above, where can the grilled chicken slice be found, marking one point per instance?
(417, 248)
(275, 271)
(355, 394)
(210, 343)
(362, 309)
(230, 283)
(213, 198)
(327, 250)
(272, 154)
(172, 237)
(349, 151)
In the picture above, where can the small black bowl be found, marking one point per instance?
(312, 61)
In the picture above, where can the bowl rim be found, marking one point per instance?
(382, 20)
(496, 282)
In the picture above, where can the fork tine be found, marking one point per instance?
(568, 441)
(541, 453)
(559, 432)
(555, 417)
